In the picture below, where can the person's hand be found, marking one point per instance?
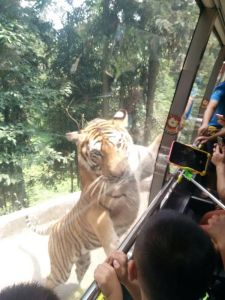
(221, 119)
(201, 139)
(202, 129)
(121, 265)
(216, 229)
(119, 261)
(107, 281)
(218, 155)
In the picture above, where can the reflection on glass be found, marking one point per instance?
(62, 64)
(191, 120)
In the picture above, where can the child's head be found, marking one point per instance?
(27, 291)
(174, 257)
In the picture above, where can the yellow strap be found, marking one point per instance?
(100, 297)
(212, 130)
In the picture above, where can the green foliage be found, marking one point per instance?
(107, 55)
(24, 95)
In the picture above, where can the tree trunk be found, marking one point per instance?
(105, 80)
(15, 192)
(153, 70)
(105, 56)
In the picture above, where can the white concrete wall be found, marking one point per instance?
(24, 254)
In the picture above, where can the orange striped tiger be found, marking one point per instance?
(111, 168)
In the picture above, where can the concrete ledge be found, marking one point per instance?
(44, 212)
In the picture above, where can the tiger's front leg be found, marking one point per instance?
(100, 220)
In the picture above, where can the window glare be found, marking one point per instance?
(191, 118)
(62, 64)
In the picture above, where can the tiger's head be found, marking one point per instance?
(103, 148)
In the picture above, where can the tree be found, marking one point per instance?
(108, 55)
(22, 52)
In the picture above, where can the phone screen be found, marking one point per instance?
(188, 157)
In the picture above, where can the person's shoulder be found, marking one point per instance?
(218, 92)
(221, 85)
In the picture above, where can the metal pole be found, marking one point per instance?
(211, 196)
(93, 291)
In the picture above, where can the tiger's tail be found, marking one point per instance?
(42, 230)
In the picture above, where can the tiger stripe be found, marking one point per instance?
(109, 167)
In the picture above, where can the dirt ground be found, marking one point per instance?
(24, 257)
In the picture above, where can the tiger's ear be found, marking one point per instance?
(121, 118)
(73, 136)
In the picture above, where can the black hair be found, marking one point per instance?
(175, 258)
(27, 291)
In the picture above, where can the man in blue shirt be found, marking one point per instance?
(215, 106)
(211, 128)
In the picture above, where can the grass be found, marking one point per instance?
(39, 193)
(42, 182)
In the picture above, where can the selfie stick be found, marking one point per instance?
(189, 176)
(93, 291)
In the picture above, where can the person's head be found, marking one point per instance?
(173, 258)
(27, 291)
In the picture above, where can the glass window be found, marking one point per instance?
(62, 64)
(191, 118)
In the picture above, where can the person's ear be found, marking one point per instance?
(132, 270)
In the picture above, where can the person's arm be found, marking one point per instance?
(221, 133)
(216, 229)
(218, 159)
(107, 281)
(220, 170)
(204, 139)
(211, 107)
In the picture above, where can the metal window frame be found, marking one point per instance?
(214, 74)
(188, 73)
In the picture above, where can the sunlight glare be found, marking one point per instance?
(55, 12)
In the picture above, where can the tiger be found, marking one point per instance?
(111, 167)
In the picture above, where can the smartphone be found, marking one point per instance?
(189, 158)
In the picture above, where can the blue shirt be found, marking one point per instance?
(219, 96)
